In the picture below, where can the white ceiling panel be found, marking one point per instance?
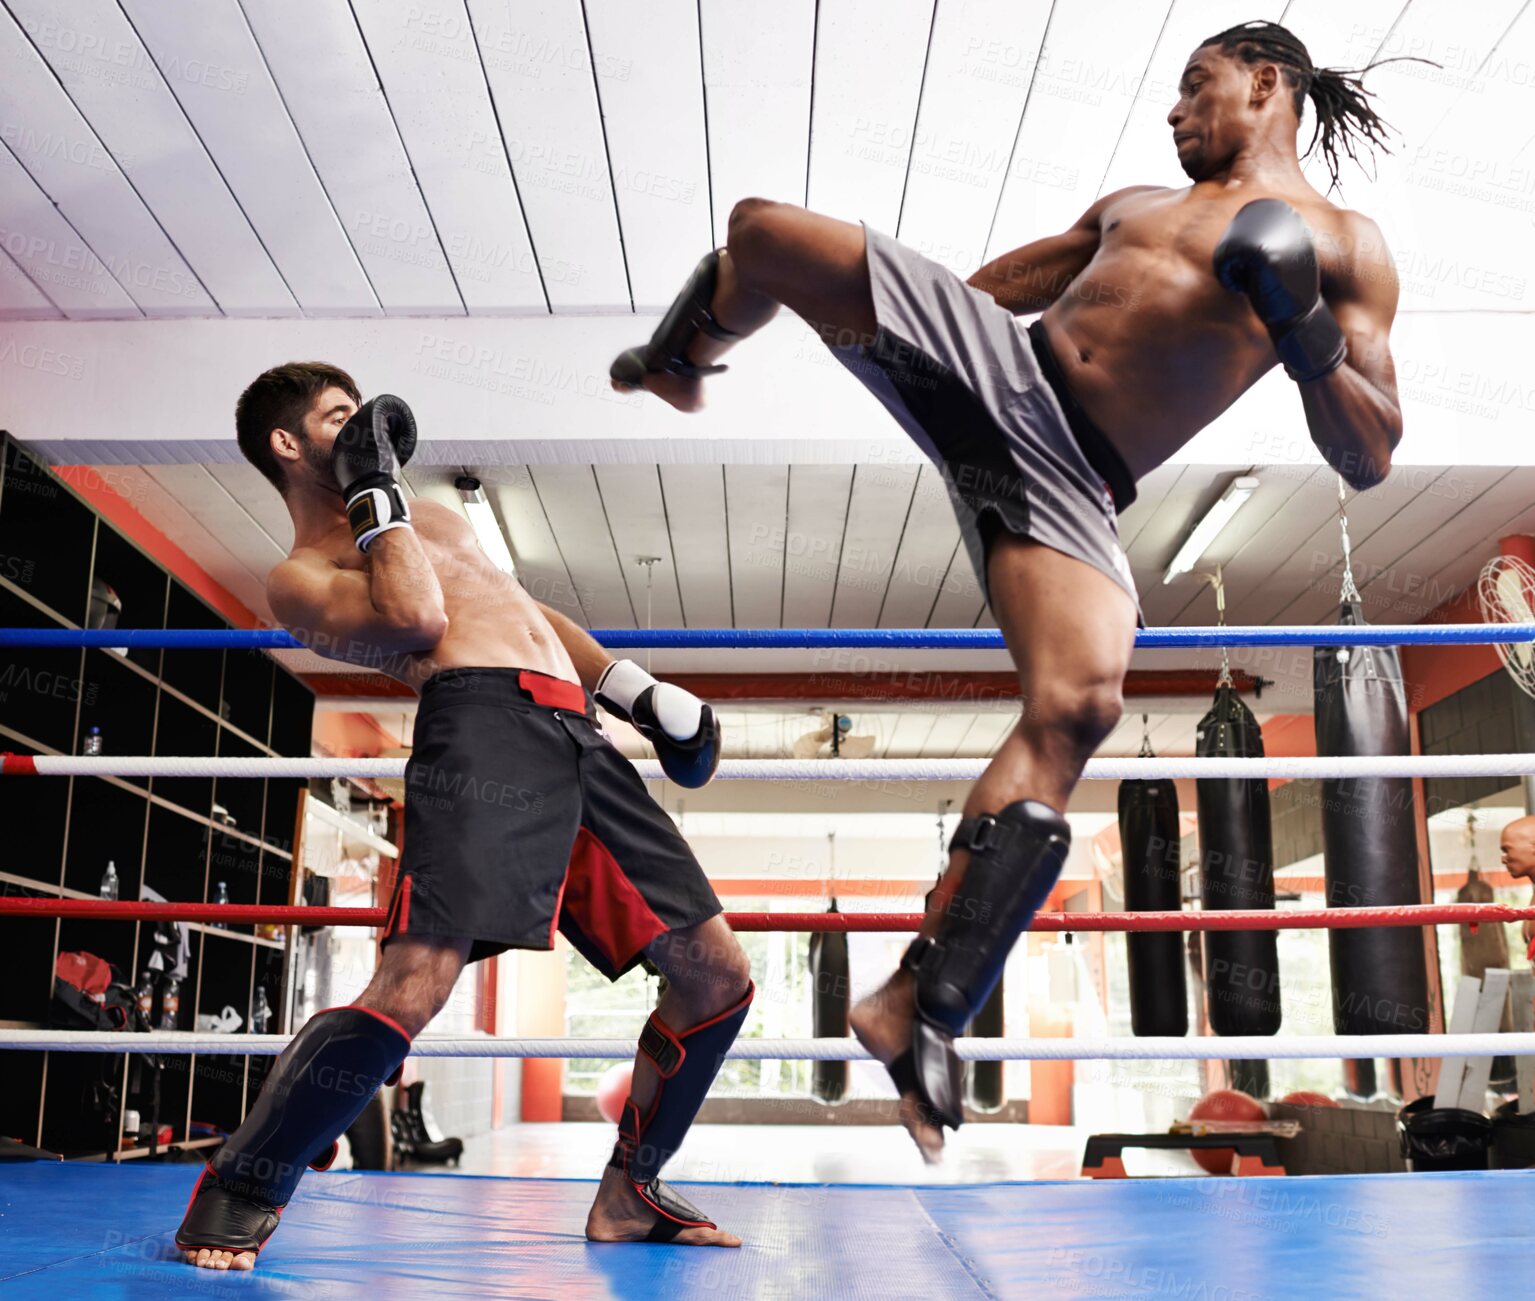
(206, 53)
(928, 550)
(1144, 154)
(757, 66)
(1082, 87)
(537, 61)
(351, 138)
(700, 543)
(868, 79)
(20, 299)
(541, 567)
(428, 61)
(49, 251)
(1452, 555)
(818, 500)
(972, 104)
(1380, 524)
(222, 513)
(574, 508)
(650, 83)
(904, 735)
(636, 514)
(949, 729)
(876, 524)
(757, 511)
(959, 602)
(97, 56)
(43, 129)
(258, 499)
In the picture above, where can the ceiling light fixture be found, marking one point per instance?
(1203, 535)
(483, 520)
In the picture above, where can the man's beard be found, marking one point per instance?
(318, 459)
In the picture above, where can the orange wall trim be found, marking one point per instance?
(114, 507)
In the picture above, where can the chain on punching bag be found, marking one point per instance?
(1379, 974)
(1151, 849)
(1236, 862)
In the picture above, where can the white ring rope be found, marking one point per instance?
(859, 770)
(1235, 1047)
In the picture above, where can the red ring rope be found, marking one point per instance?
(1234, 920)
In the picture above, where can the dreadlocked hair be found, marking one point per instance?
(1343, 113)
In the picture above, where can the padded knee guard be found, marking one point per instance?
(687, 1063)
(1016, 857)
(319, 1086)
(688, 317)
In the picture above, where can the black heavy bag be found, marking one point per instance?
(1152, 851)
(829, 980)
(1236, 865)
(985, 1078)
(1369, 839)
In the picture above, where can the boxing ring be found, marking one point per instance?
(71, 1229)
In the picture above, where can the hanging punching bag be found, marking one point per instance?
(1236, 865)
(1369, 839)
(830, 990)
(985, 1082)
(1152, 851)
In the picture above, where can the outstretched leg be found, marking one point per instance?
(318, 1087)
(775, 255)
(1070, 630)
(708, 993)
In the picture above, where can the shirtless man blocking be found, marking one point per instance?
(1160, 307)
(519, 817)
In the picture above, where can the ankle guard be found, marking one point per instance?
(1015, 858)
(319, 1086)
(687, 1064)
(688, 317)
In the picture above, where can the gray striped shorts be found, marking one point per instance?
(962, 377)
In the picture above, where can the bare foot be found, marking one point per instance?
(675, 390)
(621, 1215)
(210, 1258)
(882, 1024)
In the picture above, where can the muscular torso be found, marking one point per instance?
(492, 621)
(1153, 346)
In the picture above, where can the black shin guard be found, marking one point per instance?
(688, 317)
(1016, 857)
(687, 1062)
(319, 1086)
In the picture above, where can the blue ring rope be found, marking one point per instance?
(1448, 634)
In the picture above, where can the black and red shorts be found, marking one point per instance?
(521, 817)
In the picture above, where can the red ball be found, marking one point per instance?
(1306, 1098)
(613, 1091)
(1223, 1104)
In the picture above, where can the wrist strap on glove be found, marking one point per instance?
(375, 506)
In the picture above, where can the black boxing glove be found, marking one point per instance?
(682, 727)
(1267, 254)
(366, 459)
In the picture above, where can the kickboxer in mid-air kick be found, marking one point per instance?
(520, 818)
(1159, 308)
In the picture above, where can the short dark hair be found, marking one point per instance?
(280, 399)
(1343, 112)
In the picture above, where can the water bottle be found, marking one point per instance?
(221, 896)
(145, 996)
(92, 742)
(109, 881)
(170, 1002)
(261, 1011)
